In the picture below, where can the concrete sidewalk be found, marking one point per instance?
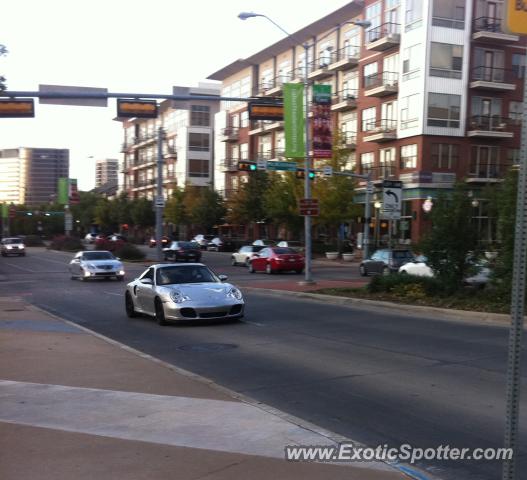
(76, 405)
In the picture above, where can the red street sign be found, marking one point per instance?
(309, 207)
(309, 212)
(12, 212)
(308, 202)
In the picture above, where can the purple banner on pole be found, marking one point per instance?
(321, 127)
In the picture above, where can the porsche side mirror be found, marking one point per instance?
(222, 277)
(146, 281)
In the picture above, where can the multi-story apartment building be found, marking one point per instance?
(188, 149)
(30, 175)
(430, 94)
(106, 171)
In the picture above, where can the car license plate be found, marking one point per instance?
(292, 260)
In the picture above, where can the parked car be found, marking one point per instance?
(186, 251)
(215, 245)
(116, 238)
(277, 259)
(420, 268)
(100, 239)
(294, 244)
(385, 261)
(165, 241)
(183, 292)
(203, 240)
(244, 254)
(90, 238)
(12, 246)
(91, 264)
(264, 243)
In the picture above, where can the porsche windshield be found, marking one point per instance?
(185, 274)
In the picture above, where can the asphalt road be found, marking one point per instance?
(376, 377)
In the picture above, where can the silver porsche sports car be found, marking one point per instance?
(178, 291)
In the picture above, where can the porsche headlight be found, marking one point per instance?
(235, 293)
(177, 297)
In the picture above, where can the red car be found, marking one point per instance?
(277, 259)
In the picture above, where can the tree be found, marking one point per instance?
(281, 202)
(209, 209)
(84, 211)
(3, 51)
(452, 238)
(505, 201)
(175, 211)
(247, 205)
(142, 213)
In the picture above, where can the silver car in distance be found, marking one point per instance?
(178, 291)
(96, 264)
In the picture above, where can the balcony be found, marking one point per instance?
(488, 29)
(145, 139)
(381, 84)
(265, 86)
(492, 78)
(344, 100)
(230, 134)
(383, 37)
(489, 126)
(344, 59)
(229, 165)
(319, 69)
(274, 126)
(278, 84)
(379, 131)
(484, 172)
(347, 141)
(258, 127)
(297, 75)
(380, 173)
(147, 183)
(170, 152)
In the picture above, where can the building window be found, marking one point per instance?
(370, 74)
(443, 110)
(445, 155)
(244, 120)
(518, 64)
(198, 168)
(515, 112)
(368, 119)
(410, 111)
(199, 142)
(244, 151)
(409, 156)
(411, 61)
(413, 14)
(366, 162)
(200, 116)
(513, 156)
(446, 60)
(374, 16)
(449, 14)
(484, 161)
(387, 162)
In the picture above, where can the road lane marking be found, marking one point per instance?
(116, 294)
(21, 268)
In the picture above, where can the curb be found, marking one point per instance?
(469, 316)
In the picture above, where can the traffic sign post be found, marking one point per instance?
(309, 207)
(284, 166)
(261, 164)
(327, 171)
(516, 23)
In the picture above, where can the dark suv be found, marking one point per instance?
(385, 261)
(187, 251)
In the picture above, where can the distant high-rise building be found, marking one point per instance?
(106, 171)
(30, 175)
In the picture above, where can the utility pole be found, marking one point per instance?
(159, 201)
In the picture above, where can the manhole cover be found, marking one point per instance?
(208, 347)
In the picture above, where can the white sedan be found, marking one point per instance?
(183, 291)
(244, 255)
(421, 269)
(96, 264)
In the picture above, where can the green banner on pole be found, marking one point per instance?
(294, 120)
(63, 191)
(5, 210)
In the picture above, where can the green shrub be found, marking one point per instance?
(129, 251)
(405, 285)
(33, 241)
(69, 244)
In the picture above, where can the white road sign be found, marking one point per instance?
(327, 171)
(391, 200)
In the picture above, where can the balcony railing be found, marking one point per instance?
(380, 172)
(230, 133)
(493, 74)
(487, 24)
(380, 79)
(344, 95)
(347, 140)
(229, 164)
(382, 31)
(489, 123)
(145, 183)
(379, 126)
(484, 170)
(349, 52)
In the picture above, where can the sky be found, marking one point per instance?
(126, 46)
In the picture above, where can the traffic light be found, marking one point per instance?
(300, 173)
(247, 166)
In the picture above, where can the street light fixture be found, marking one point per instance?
(307, 164)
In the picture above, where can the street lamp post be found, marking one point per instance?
(308, 280)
